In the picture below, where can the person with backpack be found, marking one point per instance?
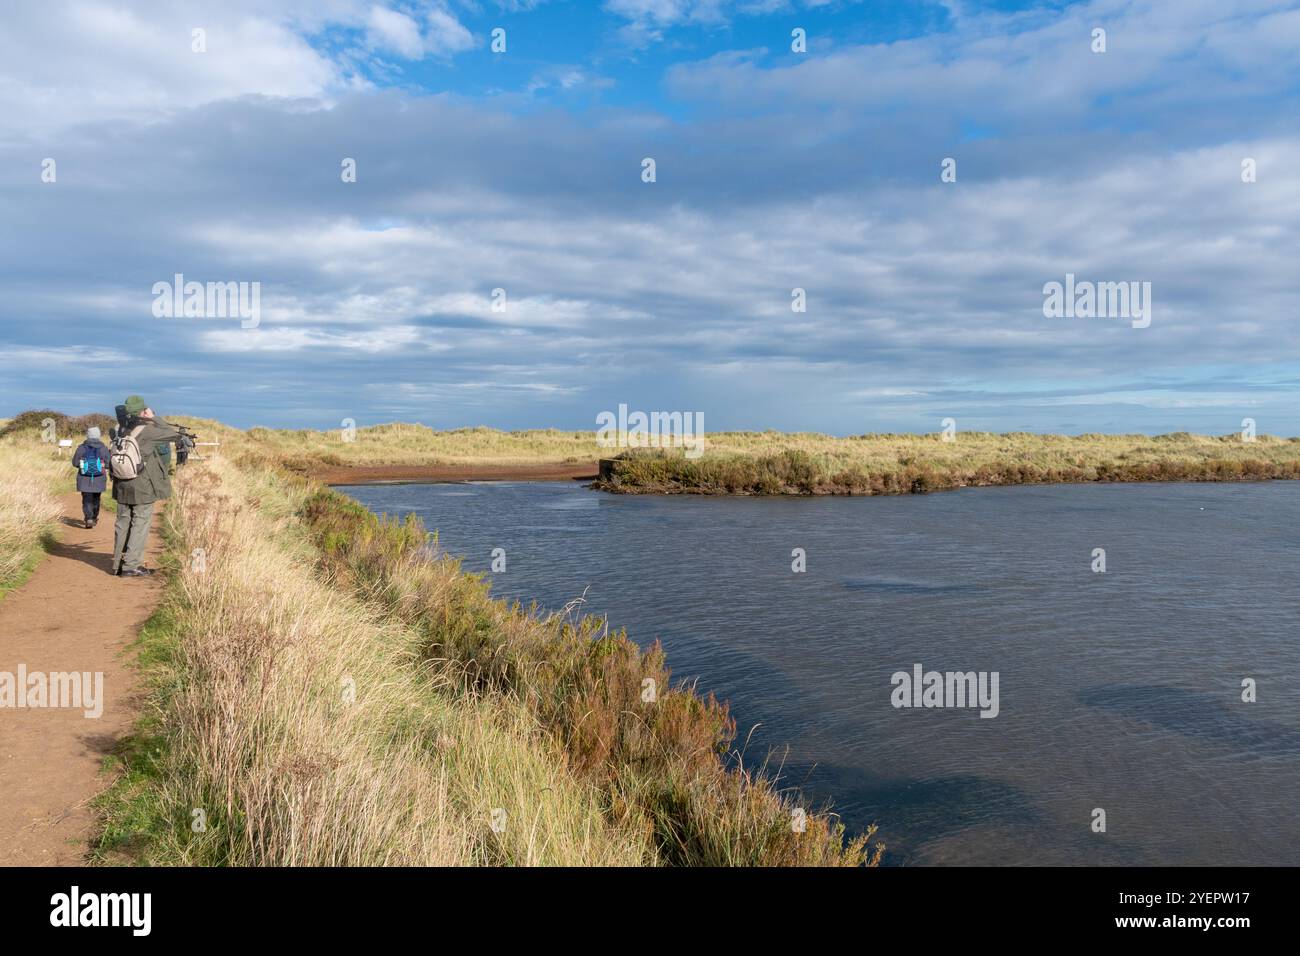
(184, 449)
(138, 462)
(91, 461)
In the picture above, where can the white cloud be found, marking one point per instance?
(1034, 64)
(445, 34)
(394, 30)
(64, 62)
(61, 356)
(1154, 398)
(399, 33)
(268, 339)
(70, 61)
(648, 19)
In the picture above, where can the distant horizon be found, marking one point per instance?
(592, 428)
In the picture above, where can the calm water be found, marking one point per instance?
(1119, 690)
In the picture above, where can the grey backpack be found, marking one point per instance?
(125, 460)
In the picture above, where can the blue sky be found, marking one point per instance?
(775, 170)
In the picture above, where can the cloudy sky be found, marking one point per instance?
(775, 169)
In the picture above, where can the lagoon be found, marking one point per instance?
(1119, 691)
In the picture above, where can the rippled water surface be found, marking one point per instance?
(1119, 690)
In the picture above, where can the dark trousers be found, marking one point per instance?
(90, 504)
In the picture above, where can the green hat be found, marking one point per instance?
(135, 405)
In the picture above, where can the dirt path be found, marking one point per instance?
(369, 474)
(70, 616)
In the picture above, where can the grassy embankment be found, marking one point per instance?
(325, 692)
(307, 726)
(800, 463)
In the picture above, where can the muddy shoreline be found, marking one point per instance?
(400, 474)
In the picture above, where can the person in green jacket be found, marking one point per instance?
(136, 498)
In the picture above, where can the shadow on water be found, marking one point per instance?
(915, 814)
(910, 812)
(1194, 714)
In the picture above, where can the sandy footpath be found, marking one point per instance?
(70, 616)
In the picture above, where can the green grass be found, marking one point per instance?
(139, 825)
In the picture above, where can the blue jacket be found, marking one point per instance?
(91, 448)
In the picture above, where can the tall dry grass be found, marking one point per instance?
(304, 726)
(30, 477)
(900, 464)
(407, 444)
